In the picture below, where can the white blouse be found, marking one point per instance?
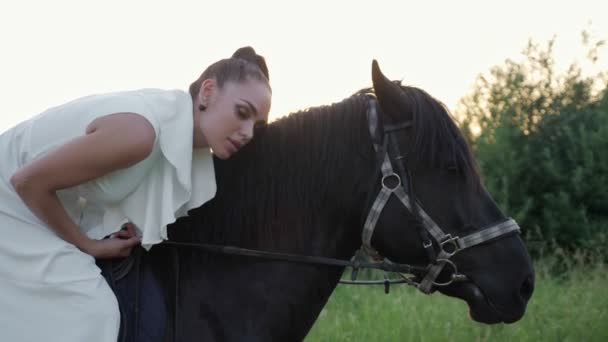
(173, 179)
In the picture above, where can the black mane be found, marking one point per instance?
(309, 151)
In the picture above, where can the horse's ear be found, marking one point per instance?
(389, 94)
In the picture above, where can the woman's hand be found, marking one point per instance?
(118, 245)
(126, 231)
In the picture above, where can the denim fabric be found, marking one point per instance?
(152, 310)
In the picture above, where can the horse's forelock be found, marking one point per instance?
(439, 142)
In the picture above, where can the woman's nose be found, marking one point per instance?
(247, 130)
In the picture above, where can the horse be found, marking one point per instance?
(385, 171)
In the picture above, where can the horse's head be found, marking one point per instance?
(490, 268)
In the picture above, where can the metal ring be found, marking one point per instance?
(452, 277)
(385, 177)
(450, 241)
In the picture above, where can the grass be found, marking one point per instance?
(567, 306)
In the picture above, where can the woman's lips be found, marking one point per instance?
(235, 145)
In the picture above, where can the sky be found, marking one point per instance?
(318, 52)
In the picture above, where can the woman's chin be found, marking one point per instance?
(221, 154)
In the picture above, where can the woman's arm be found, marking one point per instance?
(111, 142)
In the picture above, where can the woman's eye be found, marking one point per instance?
(242, 113)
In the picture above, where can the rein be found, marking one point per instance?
(356, 263)
(304, 259)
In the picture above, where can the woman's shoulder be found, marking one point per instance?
(158, 106)
(126, 100)
(162, 105)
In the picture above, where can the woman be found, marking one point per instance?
(77, 172)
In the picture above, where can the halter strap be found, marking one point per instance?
(448, 245)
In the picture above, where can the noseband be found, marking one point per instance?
(396, 183)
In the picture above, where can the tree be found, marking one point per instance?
(541, 139)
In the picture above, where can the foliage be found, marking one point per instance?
(541, 139)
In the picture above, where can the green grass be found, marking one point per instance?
(571, 306)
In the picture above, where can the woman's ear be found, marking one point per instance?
(208, 88)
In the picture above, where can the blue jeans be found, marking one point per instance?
(139, 290)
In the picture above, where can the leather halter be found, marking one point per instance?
(448, 245)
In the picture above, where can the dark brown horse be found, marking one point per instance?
(306, 185)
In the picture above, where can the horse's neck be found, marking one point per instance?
(241, 298)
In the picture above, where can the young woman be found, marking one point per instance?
(77, 172)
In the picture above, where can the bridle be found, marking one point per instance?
(396, 183)
(367, 257)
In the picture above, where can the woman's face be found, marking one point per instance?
(231, 114)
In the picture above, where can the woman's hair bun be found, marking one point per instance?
(248, 53)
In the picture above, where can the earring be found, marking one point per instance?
(202, 106)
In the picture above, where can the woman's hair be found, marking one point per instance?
(244, 64)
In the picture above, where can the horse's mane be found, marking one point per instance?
(312, 152)
(293, 166)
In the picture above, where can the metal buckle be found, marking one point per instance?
(451, 243)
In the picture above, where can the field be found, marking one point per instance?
(570, 305)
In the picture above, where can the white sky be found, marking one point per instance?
(318, 52)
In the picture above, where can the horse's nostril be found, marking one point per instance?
(527, 287)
